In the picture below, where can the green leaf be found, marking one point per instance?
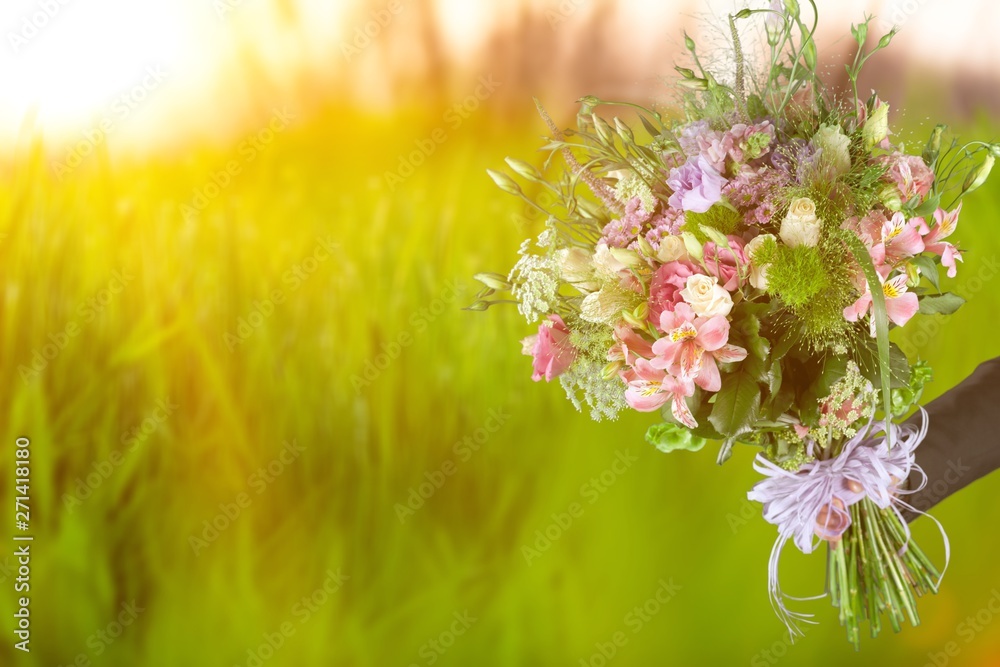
(774, 376)
(928, 207)
(670, 437)
(756, 107)
(781, 401)
(756, 367)
(737, 404)
(880, 317)
(653, 132)
(868, 362)
(943, 304)
(928, 269)
(725, 451)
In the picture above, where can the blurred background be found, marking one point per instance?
(235, 238)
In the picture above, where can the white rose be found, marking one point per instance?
(706, 296)
(758, 272)
(801, 226)
(671, 249)
(836, 147)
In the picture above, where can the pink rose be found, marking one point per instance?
(665, 287)
(722, 262)
(550, 349)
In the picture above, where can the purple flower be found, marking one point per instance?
(696, 185)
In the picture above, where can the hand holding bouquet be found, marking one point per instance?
(739, 270)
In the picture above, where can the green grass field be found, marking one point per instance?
(309, 305)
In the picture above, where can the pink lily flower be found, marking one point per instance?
(693, 345)
(944, 226)
(900, 240)
(650, 388)
(900, 305)
(629, 345)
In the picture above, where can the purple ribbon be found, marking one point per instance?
(796, 502)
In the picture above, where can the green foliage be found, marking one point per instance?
(941, 304)
(736, 405)
(796, 275)
(718, 217)
(668, 437)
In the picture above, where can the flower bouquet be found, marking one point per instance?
(739, 270)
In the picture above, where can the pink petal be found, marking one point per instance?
(665, 352)
(681, 412)
(690, 359)
(902, 308)
(877, 253)
(728, 353)
(714, 333)
(858, 309)
(642, 400)
(645, 370)
(907, 243)
(709, 378)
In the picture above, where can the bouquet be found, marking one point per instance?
(739, 270)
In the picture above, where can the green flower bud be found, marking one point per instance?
(933, 148)
(632, 320)
(627, 257)
(876, 128)
(523, 169)
(979, 175)
(611, 370)
(493, 280)
(624, 131)
(603, 130)
(891, 198)
(504, 182)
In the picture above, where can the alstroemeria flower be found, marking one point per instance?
(900, 240)
(692, 346)
(629, 345)
(650, 388)
(551, 351)
(944, 226)
(900, 305)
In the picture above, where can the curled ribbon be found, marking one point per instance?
(810, 505)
